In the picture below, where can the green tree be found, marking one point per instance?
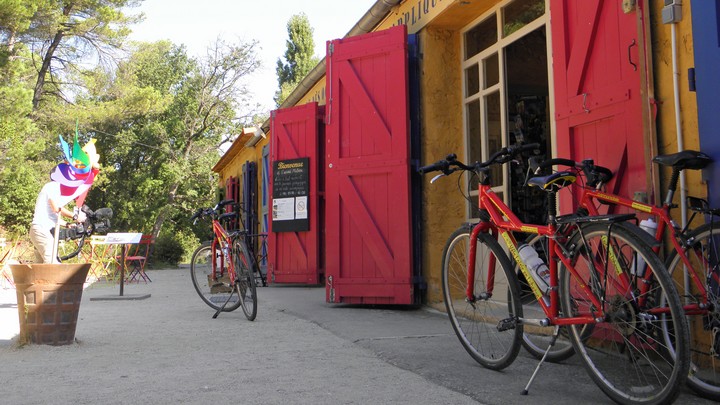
(15, 18)
(159, 120)
(21, 144)
(66, 34)
(299, 58)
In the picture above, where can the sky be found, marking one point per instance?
(198, 23)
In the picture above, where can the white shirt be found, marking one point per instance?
(44, 215)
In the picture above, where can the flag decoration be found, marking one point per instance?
(77, 173)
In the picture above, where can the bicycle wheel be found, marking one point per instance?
(626, 355)
(214, 291)
(477, 324)
(703, 254)
(536, 339)
(245, 283)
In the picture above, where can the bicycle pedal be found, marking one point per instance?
(507, 324)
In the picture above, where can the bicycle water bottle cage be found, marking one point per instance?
(553, 182)
(687, 159)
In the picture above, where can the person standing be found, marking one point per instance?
(45, 218)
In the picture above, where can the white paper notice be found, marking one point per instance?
(301, 211)
(283, 209)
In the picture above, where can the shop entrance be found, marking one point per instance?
(507, 98)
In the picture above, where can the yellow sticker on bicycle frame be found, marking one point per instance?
(641, 207)
(523, 268)
(607, 197)
(611, 254)
(529, 229)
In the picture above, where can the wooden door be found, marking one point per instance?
(367, 169)
(598, 84)
(293, 256)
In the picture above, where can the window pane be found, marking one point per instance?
(472, 80)
(492, 71)
(494, 133)
(473, 131)
(521, 12)
(480, 37)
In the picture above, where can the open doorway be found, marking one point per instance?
(529, 117)
(506, 96)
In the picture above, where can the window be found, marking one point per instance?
(505, 89)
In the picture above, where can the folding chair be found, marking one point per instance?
(136, 257)
(102, 257)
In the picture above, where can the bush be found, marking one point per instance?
(173, 247)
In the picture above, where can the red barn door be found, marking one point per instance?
(293, 256)
(367, 168)
(599, 89)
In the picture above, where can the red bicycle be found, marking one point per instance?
(222, 269)
(586, 284)
(693, 259)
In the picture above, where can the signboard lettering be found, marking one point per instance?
(291, 188)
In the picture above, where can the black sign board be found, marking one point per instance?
(291, 190)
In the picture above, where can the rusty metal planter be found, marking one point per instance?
(48, 297)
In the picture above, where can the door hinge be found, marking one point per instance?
(331, 48)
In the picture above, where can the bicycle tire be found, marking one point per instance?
(536, 339)
(703, 253)
(245, 283)
(214, 293)
(626, 356)
(476, 324)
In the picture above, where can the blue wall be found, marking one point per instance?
(706, 39)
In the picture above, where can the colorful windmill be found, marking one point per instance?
(77, 173)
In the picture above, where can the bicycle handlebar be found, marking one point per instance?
(451, 164)
(211, 212)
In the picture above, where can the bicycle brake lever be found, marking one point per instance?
(437, 177)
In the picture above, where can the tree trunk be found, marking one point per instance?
(162, 216)
(172, 194)
(45, 69)
(11, 45)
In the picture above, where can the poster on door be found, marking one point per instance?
(291, 187)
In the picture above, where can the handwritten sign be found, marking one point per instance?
(291, 187)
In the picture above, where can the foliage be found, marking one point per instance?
(299, 58)
(173, 248)
(159, 120)
(158, 115)
(64, 35)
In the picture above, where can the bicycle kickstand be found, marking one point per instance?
(232, 293)
(556, 332)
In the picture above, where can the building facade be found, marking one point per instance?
(415, 80)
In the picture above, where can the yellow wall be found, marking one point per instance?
(664, 93)
(443, 209)
(234, 169)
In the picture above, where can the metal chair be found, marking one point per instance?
(136, 257)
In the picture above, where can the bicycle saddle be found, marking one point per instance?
(687, 159)
(553, 182)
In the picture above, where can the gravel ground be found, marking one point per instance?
(167, 349)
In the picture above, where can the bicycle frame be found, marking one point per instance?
(664, 222)
(221, 240)
(504, 221)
